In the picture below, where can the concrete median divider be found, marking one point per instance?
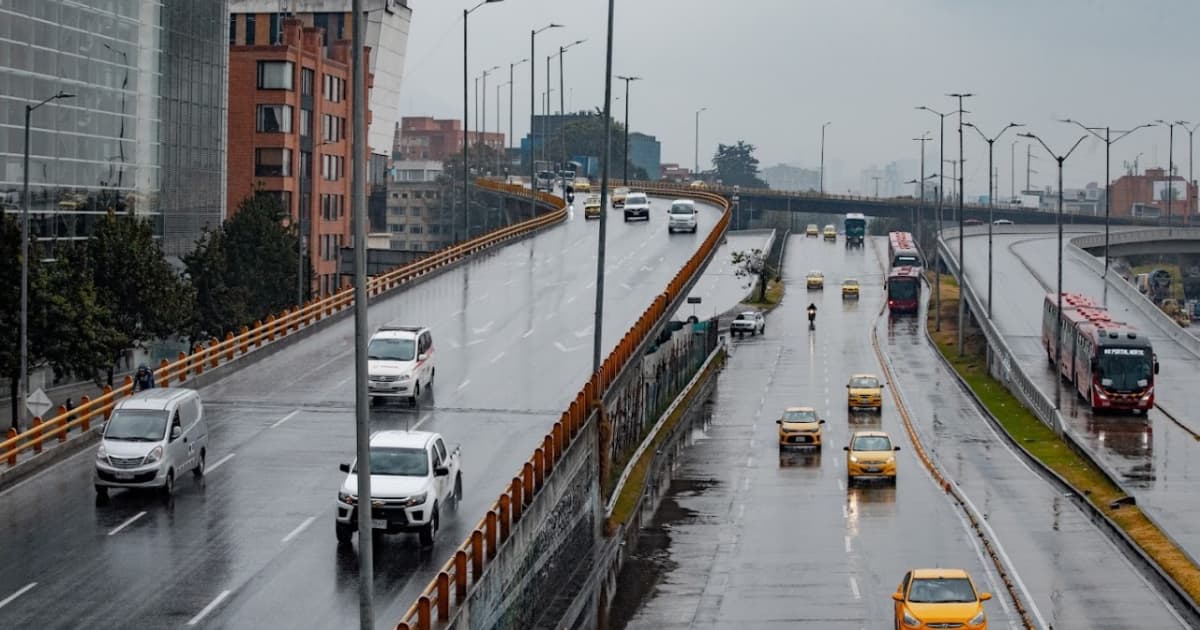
(547, 522)
(21, 451)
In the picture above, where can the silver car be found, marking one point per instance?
(152, 438)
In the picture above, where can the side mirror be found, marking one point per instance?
(895, 448)
(176, 431)
(846, 448)
(983, 597)
(344, 467)
(898, 597)
(847, 386)
(882, 385)
(779, 422)
(441, 471)
(1156, 367)
(422, 356)
(820, 422)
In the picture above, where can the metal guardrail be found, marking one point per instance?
(494, 529)
(275, 326)
(1125, 237)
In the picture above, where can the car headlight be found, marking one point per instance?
(416, 499)
(977, 619)
(346, 497)
(153, 456)
(853, 459)
(101, 454)
(403, 377)
(910, 620)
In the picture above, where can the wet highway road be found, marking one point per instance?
(1155, 457)
(720, 289)
(253, 545)
(776, 540)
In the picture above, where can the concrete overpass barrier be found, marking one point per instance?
(274, 328)
(554, 498)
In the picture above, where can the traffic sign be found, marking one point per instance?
(38, 402)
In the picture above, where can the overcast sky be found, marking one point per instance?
(771, 71)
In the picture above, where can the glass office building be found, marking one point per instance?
(144, 132)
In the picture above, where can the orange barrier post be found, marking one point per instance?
(476, 556)
(548, 455)
(489, 529)
(37, 434)
(12, 453)
(505, 505)
(443, 597)
(198, 358)
(460, 576)
(423, 620)
(516, 489)
(86, 424)
(214, 352)
(271, 327)
(256, 332)
(61, 422)
(539, 468)
(527, 482)
(183, 369)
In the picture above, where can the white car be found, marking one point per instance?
(682, 216)
(751, 322)
(400, 361)
(636, 206)
(414, 481)
(151, 439)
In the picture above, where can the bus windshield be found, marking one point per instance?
(902, 289)
(906, 261)
(1125, 369)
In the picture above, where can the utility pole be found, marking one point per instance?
(696, 169)
(627, 80)
(962, 267)
(598, 324)
(823, 157)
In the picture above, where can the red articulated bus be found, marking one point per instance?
(1070, 302)
(904, 290)
(1111, 365)
(902, 250)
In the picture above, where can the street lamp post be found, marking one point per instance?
(512, 82)
(991, 202)
(1171, 165)
(1059, 288)
(937, 268)
(466, 114)
(1187, 212)
(920, 207)
(823, 156)
(1108, 142)
(483, 107)
(962, 268)
(23, 391)
(627, 80)
(501, 149)
(562, 100)
(598, 324)
(696, 167)
(533, 114)
(921, 184)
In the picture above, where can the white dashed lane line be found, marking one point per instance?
(116, 530)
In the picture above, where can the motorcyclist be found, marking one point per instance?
(143, 379)
(812, 315)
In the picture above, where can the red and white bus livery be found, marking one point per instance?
(902, 250)
(904, 290)
(1110, 364)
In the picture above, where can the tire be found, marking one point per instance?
(849, 480)
(670, 230)
(344, 533)
(458, 491)
(432, 374)
(627, 218)
(101, 495)
(892, 480)
(198, 471)
(428, 533)
(416, 397)
(168, 487)
(753, 333)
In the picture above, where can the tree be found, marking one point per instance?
(585, 136)
(737, 166)
(146, 297)
(68, 329)
(243, 270)
(753, 265)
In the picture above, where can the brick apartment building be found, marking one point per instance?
(1145, 196)
(427, 138)
(290, 108)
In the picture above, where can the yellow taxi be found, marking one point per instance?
(582, 184)
(812, 230)
(799, 426)
(591, 207)
(815, 280)
(850, 289)
(618, 197)
(939, 598)
(830, 233)
(864, 390)
(870, 455)
(698, 184)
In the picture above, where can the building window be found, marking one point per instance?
(232, 29)
(305, 123)
(414, 229)
(251, 19)
(274, 162)
(281, 197)
(276, 30)
(334, 88)
(306, 164)
(275, 75)
(416, 211)
(275, 118)
(306, 81)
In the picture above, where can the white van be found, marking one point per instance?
(682, 216)
(151, 439)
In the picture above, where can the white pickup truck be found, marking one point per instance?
(415, 480)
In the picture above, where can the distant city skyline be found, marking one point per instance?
(1078, 58)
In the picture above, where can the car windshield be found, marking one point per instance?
(815, 274)
(902, 290)
(864, 382)
(806, 415)
(681, 209)
(941, 591)
(392, 349)
(871, 443)
(400, 462)
(1125, 369)
(136, 425)
(849, 283)
(635, 199)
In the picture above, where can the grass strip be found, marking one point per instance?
(1041, 442)
(634, 483)
(774, 296)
